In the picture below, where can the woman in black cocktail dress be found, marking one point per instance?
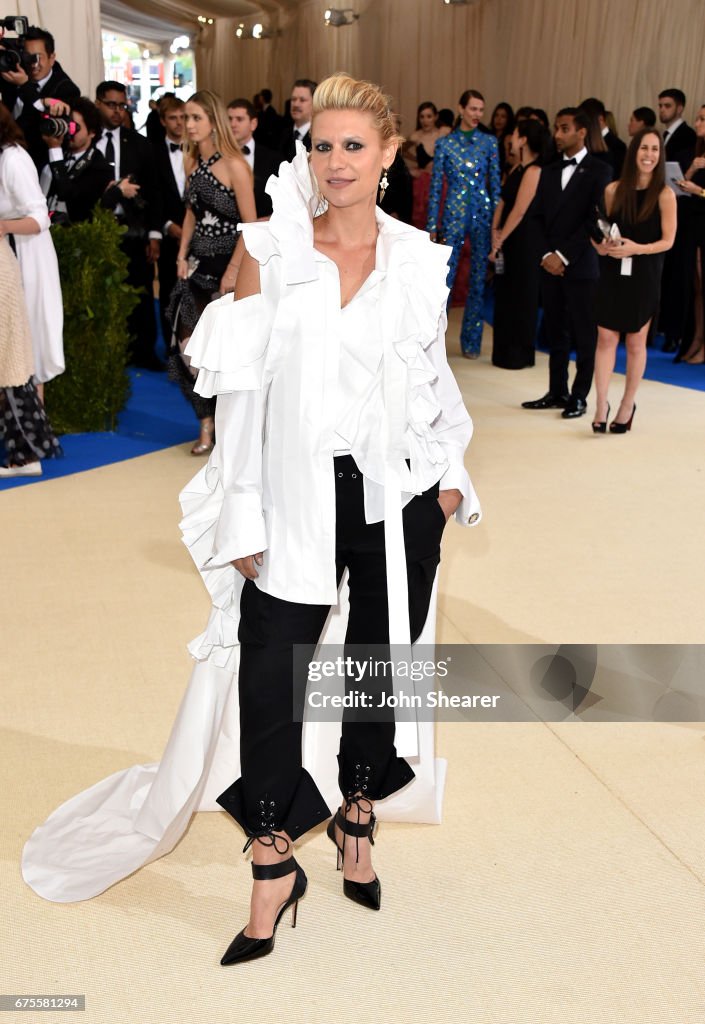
(643, 208)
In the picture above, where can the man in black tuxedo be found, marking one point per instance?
(171, 182)
(616, 149)
(301, 113)
(679, 144)
(77, 174)
(263, 161)
(269, 123)
(28, 97)
(135, 200)
(568, 193)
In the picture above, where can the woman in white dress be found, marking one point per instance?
(22, 202)
(341, 435)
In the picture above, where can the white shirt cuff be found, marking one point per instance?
(56, 154)
(561, 257)
(156, 234)
(456, 477)
(240, 531)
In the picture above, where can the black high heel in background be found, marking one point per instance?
(367, 894)
(600, 426)
(622, 428)
(243, 947)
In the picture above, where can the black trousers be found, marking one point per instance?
(141, 324)
(274, 790)
(571, 303)
(167, 280)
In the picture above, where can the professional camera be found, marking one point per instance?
(12, 55)
(57, 127)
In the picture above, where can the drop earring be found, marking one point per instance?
(383, 185)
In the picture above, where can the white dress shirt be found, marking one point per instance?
(176, 158)
(270, 477)
(102, 144)
(250, 157)
(302, 130)
(568, 172)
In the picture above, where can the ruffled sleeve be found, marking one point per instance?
(440, 427)
(22, 184)
(229, 345)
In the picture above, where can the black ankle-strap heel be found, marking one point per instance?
(367, 894)
(243, 947)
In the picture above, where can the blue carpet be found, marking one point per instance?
(659, 365)
(158, 416)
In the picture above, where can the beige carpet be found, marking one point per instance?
(567, 883)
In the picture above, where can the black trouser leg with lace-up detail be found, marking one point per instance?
(274, 792)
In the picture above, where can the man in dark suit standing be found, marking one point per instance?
(171, 182)
(135, 201)
(269, 123)
(29, 96)
(615, 147)
(679, 145)
(301, 114)
(569, 191)
(263, 162)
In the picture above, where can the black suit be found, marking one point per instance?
(680, 145)
(618, 151)
(58, 87)
(288, 143)
(266, 163)
(675, 286)
(269, 128)
(173, 209)
(79, 184)
(141, 215)
(565, 217)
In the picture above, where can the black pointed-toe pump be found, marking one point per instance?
(243, 947)
(367, 894)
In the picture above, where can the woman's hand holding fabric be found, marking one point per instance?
(246, 566)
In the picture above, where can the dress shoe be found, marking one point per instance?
(548, 401)
(622, 428)
(26, 469)
(575, 407)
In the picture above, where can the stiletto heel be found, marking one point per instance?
(600, 426)
(622, 428)
(367, 894)
(243, 947)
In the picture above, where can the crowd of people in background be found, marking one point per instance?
(565, 219)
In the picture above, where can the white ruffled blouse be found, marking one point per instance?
(273, 360)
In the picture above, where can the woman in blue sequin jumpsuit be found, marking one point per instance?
(469, 160)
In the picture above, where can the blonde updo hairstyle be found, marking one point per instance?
(224, 139)
(341, 92)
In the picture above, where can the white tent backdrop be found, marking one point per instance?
(544, 52)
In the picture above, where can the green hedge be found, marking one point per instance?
(97, 304)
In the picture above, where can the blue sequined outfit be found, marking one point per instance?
(470, 163)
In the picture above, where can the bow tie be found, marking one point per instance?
(173, 146)
(568, 163)
(246, 150)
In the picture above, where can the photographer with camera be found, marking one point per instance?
(77, 174)
(135, 200)
(37, 87)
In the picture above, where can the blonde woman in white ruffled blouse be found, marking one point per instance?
(341, 435)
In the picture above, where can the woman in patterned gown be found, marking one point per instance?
(219, 195)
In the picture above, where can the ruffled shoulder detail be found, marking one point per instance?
(259, 241)
(229, 345)
(201, 503)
